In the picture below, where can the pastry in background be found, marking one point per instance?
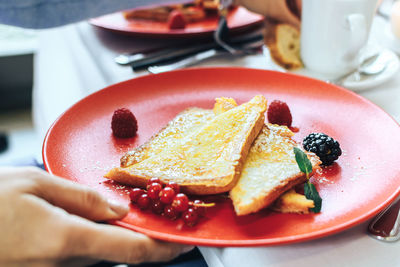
(283, 41)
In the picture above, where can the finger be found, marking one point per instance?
(76, 199)
(277, 10)
(113, 243)
(76, 262)
(70, 262)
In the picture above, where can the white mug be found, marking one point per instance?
(333, 32)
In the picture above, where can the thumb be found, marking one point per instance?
(76, 199)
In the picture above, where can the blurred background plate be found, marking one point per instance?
(239, 19)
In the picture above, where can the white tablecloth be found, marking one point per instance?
(76, 60)
(349, 248)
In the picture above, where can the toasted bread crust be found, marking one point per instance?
(244, 151)
(208, 183)
(123, 176)
(265, 200)
(293, 202)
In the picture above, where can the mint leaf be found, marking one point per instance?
(302, 160)
(311, 193)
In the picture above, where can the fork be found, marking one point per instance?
(199, 57)
(222, 31)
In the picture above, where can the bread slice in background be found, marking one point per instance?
(207, 161)
(191, 13)
(270, 170)
(283, 41)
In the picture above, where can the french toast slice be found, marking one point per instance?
(185, 123)
(160, 13)
(290, 201)
(293, 202)
(190, 11)
(270, 170)
(206, 161)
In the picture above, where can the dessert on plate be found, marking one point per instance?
(229, 149)
(192, 12)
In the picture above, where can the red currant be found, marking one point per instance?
(151, 181)
(153, 190)
(174, 186)
(180, 202)
(167, 195)
(135, 194)
(190, 217)
(143, 201)
(157, 207)
(197, 206)
(170, 212)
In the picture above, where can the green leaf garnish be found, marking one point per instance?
(311, 193)
(305, 166)
(303, 161)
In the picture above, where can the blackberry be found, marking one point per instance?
(324, 146)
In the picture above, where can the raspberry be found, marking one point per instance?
(279, 113)
(325, 147)
(124, 123)
(176, 20)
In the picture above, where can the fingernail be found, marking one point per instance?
(186, 249)
(117, 207)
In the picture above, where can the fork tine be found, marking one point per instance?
(221, 33)
(224, 30)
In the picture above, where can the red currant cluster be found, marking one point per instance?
(168, 201)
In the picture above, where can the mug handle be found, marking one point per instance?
(357, 25)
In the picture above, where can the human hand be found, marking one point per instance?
(46, 221)
(281, 10)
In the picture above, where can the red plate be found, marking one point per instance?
(366, 178)
(238, 19)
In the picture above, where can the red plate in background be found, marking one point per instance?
(80, 147)
(238, 19)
